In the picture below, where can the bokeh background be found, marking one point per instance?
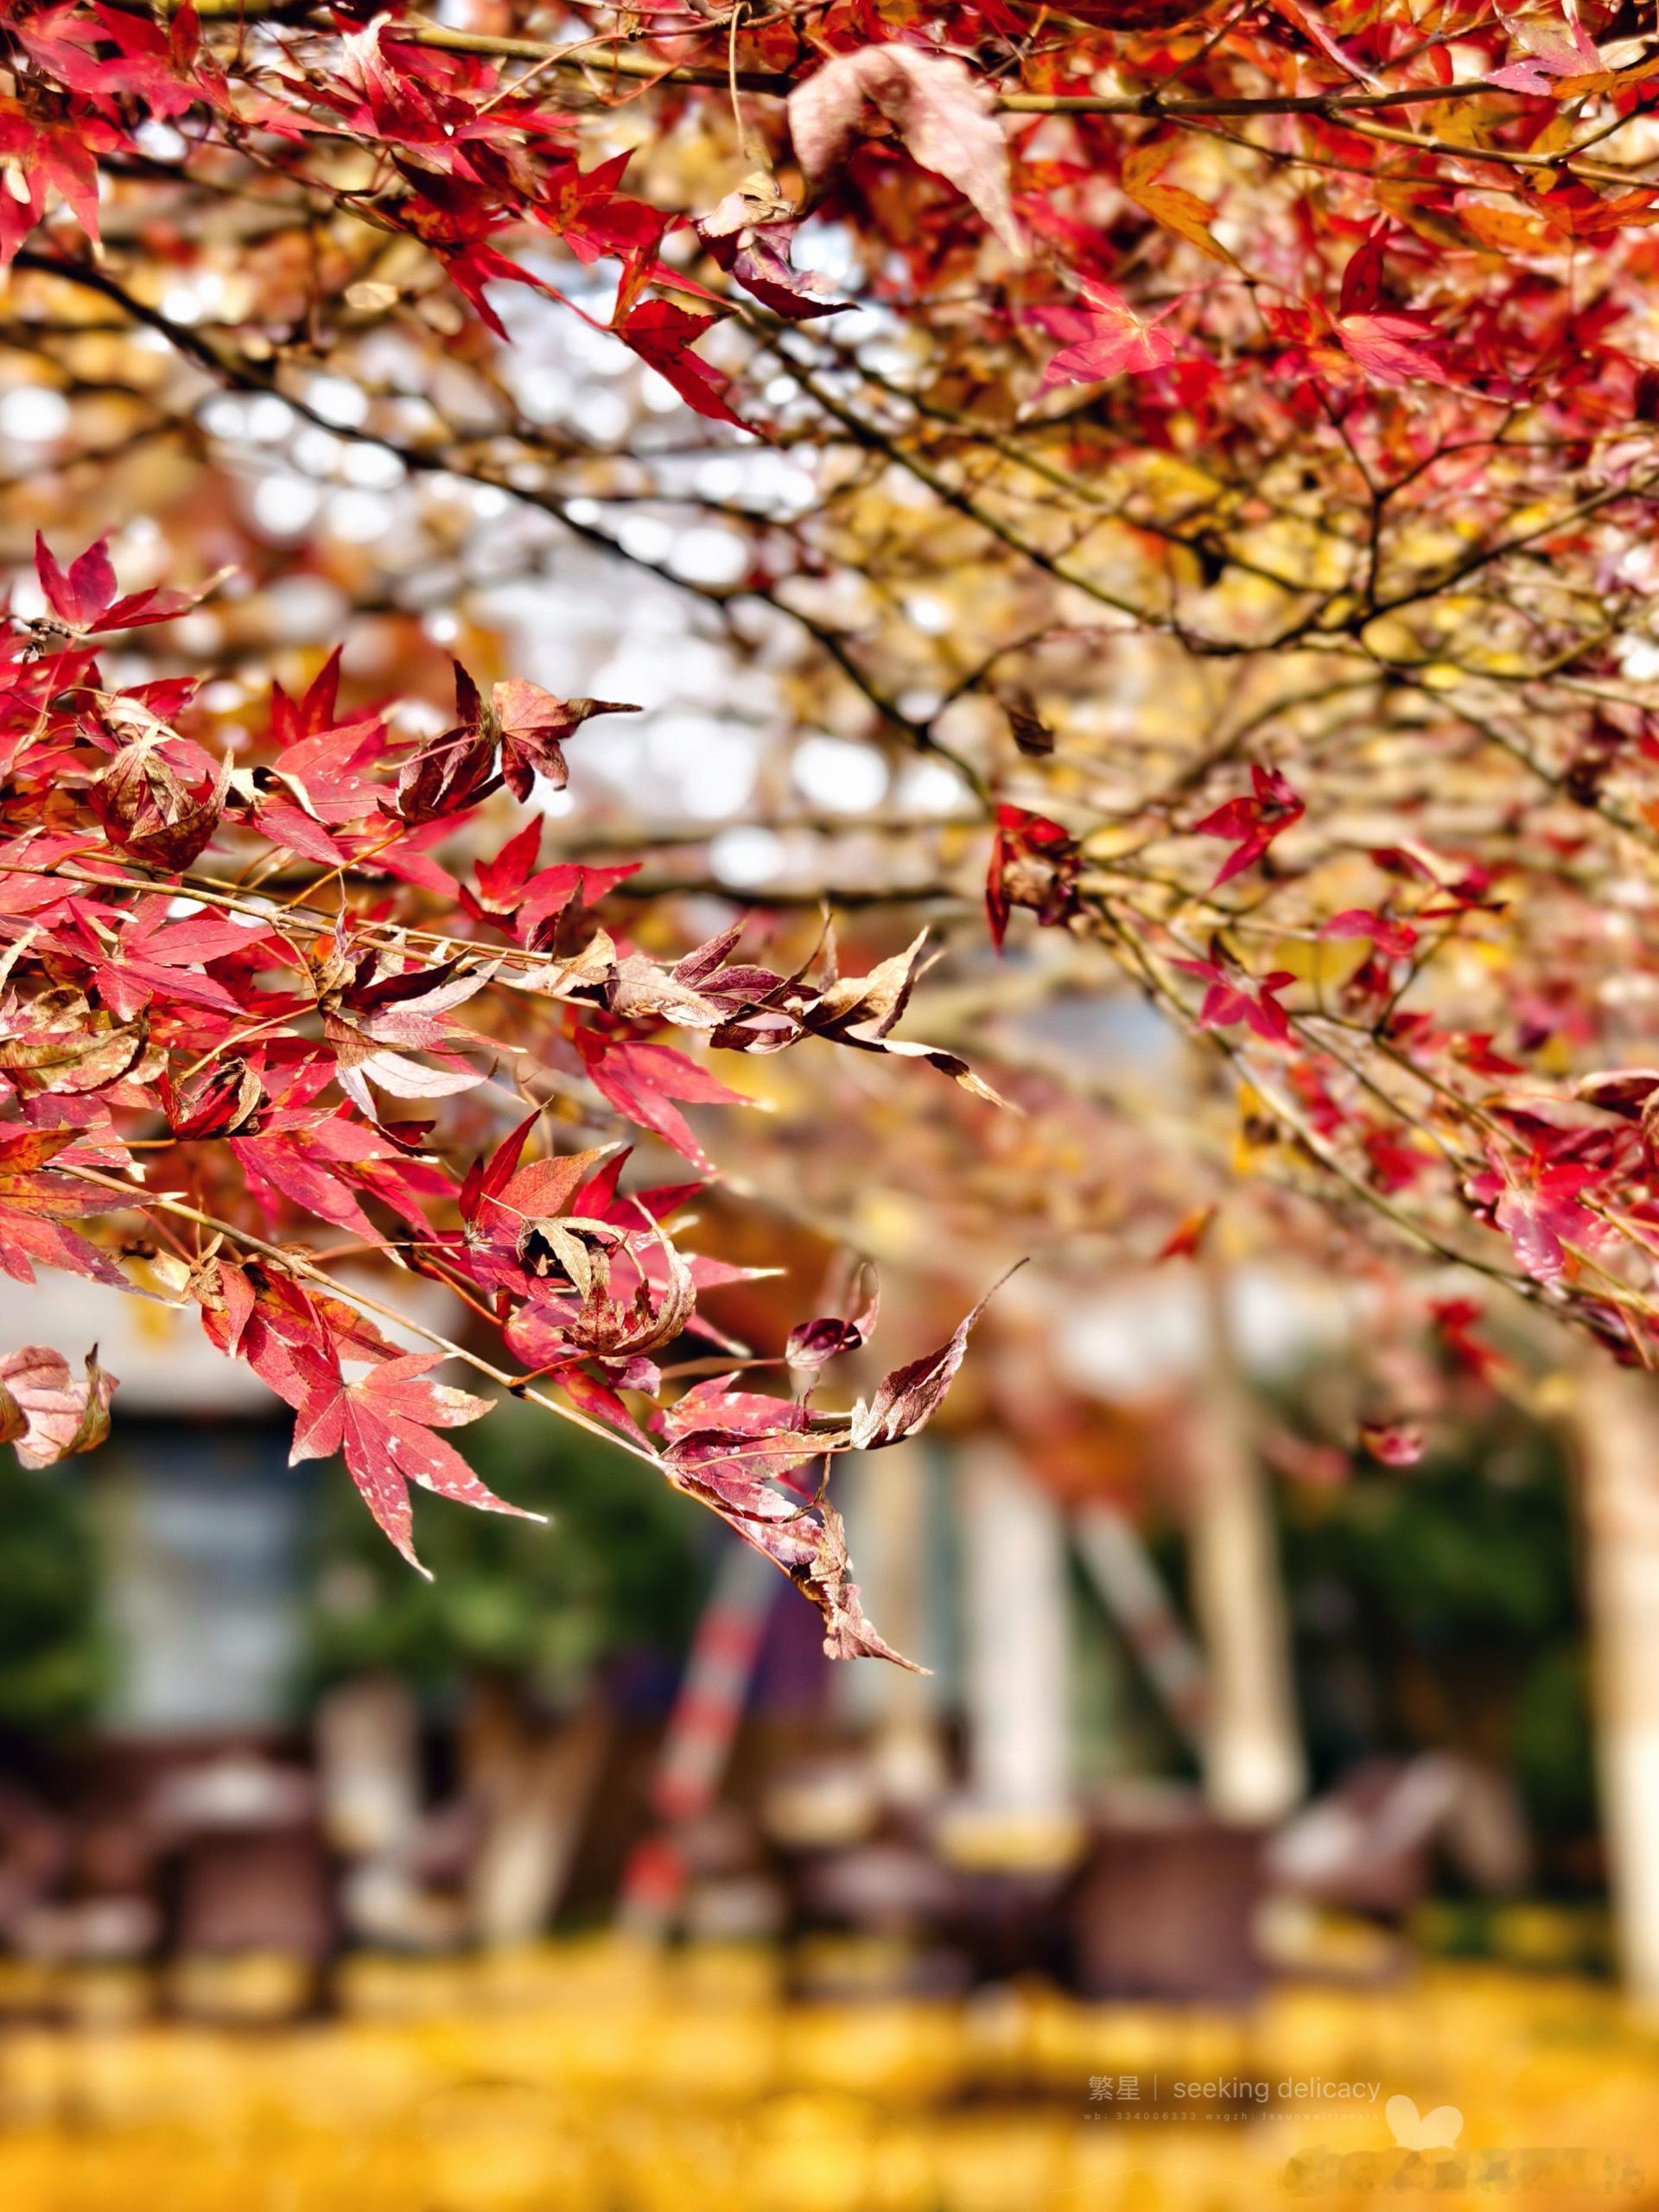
(1258, 1782)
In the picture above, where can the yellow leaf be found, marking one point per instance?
(1602, 81)
(1434, 224)
(1170, 205)
(1326, 963)
(1505, 228)
(1555, 138)
(1461, 121)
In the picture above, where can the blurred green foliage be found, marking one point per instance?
(621, 1566)
(1441, 1604)
(53, 1657)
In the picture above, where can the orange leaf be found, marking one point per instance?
(1505, 228)
(1171, 204)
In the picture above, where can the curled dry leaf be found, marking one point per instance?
(750, 234)
(813, 1343)
(44, 1412)
(222, 1101)
(612, 1329)
(863, 1011)
(532, 724)
(907, 1400)
(60, 1042)
(739, 1453)
(941, 111)
(1030, 733)
(153, 809)
(808, 1543)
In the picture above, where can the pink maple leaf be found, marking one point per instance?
(1271, 809)
(1107, 339)
(1538, 1206)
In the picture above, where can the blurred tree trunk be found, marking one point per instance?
(1616, 1437)
(887, 1509)
(1253, 1764)
(1019, 1692)
(368, 1755)
(534, 1783)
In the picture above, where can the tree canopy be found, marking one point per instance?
(1218, 445)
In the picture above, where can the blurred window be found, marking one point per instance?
(206, 1542)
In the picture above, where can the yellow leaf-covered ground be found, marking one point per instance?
(581, 2077)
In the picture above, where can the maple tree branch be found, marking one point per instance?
(1642, 488)
(292, 1264)
(1561, 164)
(1064, 479)
(1153, 105)
(1270, 537)
(1132, 956)
(239, 373)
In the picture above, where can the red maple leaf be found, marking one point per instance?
(1234, 997)
(1391, 938)
(1361, 280)
(383, 1425)
(1454, 1319)
(157, 956)
(85, 597)
(1550, 56)
(662, 335)
(1254, 821)
(1538, 1206)
(165, 67)
(1392, 349)
(319, 758)
(516, 896)
(34, 1201)
(1107, 339)
(1035, 863)
(593, 219)
(44, 156)
(642, 1081)
(316, 1165)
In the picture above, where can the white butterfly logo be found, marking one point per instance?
(1431, 2130)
